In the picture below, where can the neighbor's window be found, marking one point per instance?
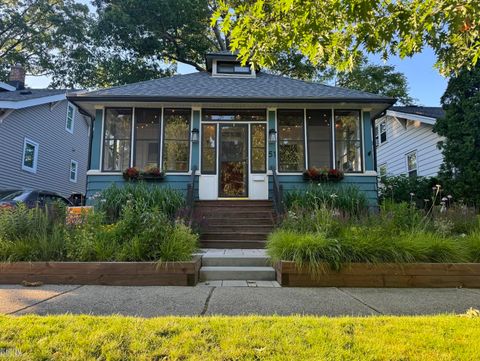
(381, 136)
(117, 138)
(382, 170)
(209, 148)
(73, 171)
(348, 141)
(70, 117)
(147, 138)
(291, 144)
(319, 135)
(30, 156)
(176, 142)
(229, 67)
(412, 164)
(258, 145)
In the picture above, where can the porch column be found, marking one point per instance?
(368, 142)
(195, 146)
(96, 140)
(272, 146)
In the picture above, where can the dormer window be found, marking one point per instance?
(228, 67)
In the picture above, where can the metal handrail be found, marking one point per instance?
(277, 194)
(191, 195)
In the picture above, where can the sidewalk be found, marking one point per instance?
(211, 300)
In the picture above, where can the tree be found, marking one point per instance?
(377, 79)
(460, 170)
(39, 33)
(337, 32)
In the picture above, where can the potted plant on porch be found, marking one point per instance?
(322, 174)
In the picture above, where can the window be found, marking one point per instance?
(382, 170)
(230, 67)
(348, 143)
(412, 164)
(70, 117)
(319, 135)
(291, 145)
(117, 139)
(30, 156)
(381, 136)
(73, 171)
(258, 144)
(209, 149)
(176, 143)
(147, 136)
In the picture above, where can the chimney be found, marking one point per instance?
(16, 77)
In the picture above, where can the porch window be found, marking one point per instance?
(117, 139)
(176, 142)
(147, 136)
(319, 136)
(258, 144)
(291, 143)
(209, 149)
(348, 141)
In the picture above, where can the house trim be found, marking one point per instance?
(409, 116)
(31, 102)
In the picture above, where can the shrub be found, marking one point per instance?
(347, 199)
(407, 189)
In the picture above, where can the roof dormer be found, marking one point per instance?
(226, 64)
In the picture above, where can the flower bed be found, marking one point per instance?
(103, 273)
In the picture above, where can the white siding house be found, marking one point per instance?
(44, 140)
(406, 143)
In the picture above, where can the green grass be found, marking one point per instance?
(68, 337)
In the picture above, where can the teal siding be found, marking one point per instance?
(272, 156)
(367, 184)
(195, 146)
(97, 183)
(368, 138)
(96, 140)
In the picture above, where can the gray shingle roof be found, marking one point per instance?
(203, 86)
(27, 94)
(432, 112)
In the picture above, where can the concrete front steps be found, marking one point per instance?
(245, 265)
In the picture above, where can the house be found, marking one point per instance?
(43, 139)
(406, 143)
(236, 126)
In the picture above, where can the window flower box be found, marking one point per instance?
(150, 174)
(322, 175)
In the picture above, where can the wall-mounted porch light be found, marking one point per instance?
(272, 135)
(195, 135)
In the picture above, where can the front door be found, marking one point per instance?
(233, 161)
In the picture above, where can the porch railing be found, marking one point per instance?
(277, 194)
(190, 199)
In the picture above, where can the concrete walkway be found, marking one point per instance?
(211, 300)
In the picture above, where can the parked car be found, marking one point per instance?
(32, 198)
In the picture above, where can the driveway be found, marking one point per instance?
(212, 300)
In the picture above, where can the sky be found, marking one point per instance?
(425, 82)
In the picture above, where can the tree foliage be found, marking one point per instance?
(39, 33)
(461, 129)
(337, 32)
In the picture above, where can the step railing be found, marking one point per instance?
(277, 194)
(190, 198)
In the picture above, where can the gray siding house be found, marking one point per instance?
(44, 140)
(406, 143)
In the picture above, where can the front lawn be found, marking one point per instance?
(239, 338)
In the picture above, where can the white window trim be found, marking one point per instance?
(35, 155)
(70, 171)
(416, 161)
(70, 130)
(215, 73)
(379, 133)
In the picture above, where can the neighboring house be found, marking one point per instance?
(234, 125)
(44, 140)
(406, 143)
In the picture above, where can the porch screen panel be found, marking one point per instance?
(319, 136)
(209, 148)
(348, 141)
(258, 145)
(147, 138)
(291, 142)
(239, 115)
(176, 141)
(117, 138)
